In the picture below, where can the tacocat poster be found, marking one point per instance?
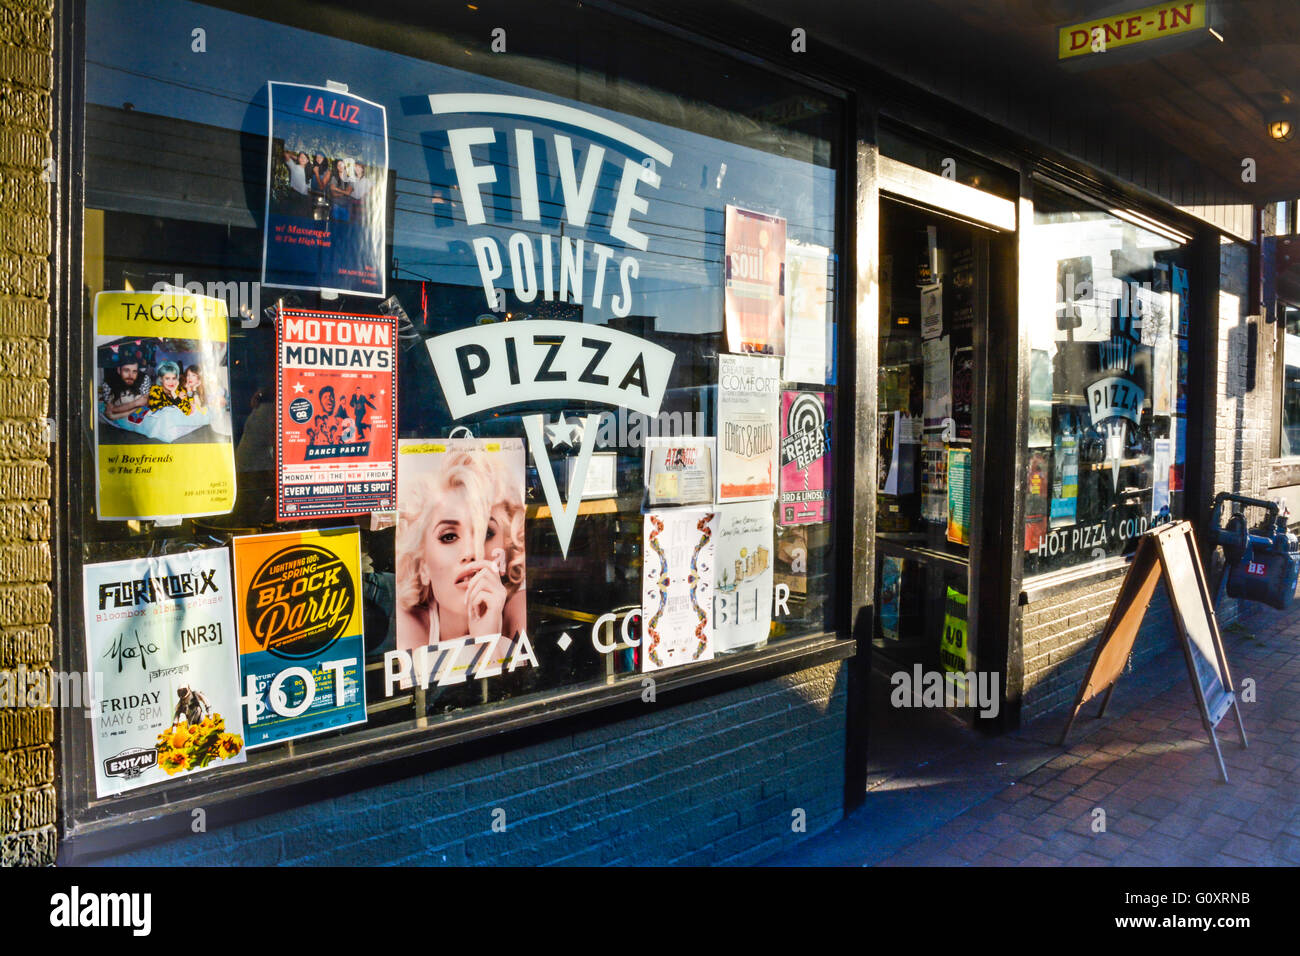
(301, 646)
(807, 313)
(160, 635)
(337, 407)
(749, 388)
(755, 279)
(162, 409)
(326, 191)
(460, 547)
(805, 457)
(677, 587)
(742, 610)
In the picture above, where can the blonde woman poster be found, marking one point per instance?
(460, 543)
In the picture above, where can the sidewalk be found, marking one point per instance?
(947, 796)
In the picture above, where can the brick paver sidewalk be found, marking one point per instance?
(1153, 773)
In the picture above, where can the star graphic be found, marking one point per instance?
(298, 387)
(559, 432)
(576, 432)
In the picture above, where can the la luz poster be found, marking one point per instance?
(160, 632)
(749, 391)
(162, 409)
(301, 647)
(337, 405)
(677, 587)
(326, 191)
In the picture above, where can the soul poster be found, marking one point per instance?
(162, 409)
(160, 642)
(755, 282)
(337, 406)
(301, 646)
(326, 191)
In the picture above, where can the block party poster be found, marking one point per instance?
(326, 191)
(160, 635)
(336, 402)
(301, 646)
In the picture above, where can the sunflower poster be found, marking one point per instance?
(160, 645)
(301, 646)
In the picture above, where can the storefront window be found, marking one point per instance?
(587, 319)
(1290, 381)
(1107, 383)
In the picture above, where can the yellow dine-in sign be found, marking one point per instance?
(1135, 26)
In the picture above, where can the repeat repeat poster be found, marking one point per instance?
(755, 279)
(326, 191)
(749, 390)
(677, 587)
(162, 407)
(336, 403)
(160, 635)
(805, 457)
(742, 610)
(301, 646)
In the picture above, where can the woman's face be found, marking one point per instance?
(302, 159)
(338, 167)
(169, 382)
(192, 381)
(450, 548)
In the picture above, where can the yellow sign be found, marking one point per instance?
(1136, 26)
(162, 401)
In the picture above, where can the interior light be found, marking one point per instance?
(1280, 130)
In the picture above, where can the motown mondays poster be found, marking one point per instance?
(742, 609)
(677, 587)
(326, 194)
(160, 632)
(805, 451)
(755, 279)
(337, 406)
(301, 648)
(162, 407)
(748, 405)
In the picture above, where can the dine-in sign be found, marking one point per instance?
(1135, 26)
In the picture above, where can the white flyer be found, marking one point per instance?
(677, 587)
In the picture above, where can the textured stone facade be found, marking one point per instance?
(27, 795)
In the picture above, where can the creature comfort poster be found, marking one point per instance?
(337, 407)
(301, 647)
(326, 191)
(160, 643)
(162, 407)
(677, 587)
(749, 390)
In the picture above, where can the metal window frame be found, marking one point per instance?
(156, 816)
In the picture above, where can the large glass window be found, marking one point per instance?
(578, 246)
(1290, 432)
(1107, 383)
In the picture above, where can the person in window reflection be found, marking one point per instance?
(460, 555)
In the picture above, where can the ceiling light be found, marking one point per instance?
(1280, 129)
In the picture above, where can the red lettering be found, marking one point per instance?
(1078, 39)
(1115, 31)
(1134, 25)
(1186, 15)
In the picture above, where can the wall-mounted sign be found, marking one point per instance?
(301, 648)
(336, 404)
(1135, 26)
(326, 191)
(160, 632)
(162, 410)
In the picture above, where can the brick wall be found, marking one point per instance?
(711, 781)
(27, 800)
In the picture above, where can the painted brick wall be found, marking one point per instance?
(712, 781)
(27, 799)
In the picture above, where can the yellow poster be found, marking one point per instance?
(163, 447)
